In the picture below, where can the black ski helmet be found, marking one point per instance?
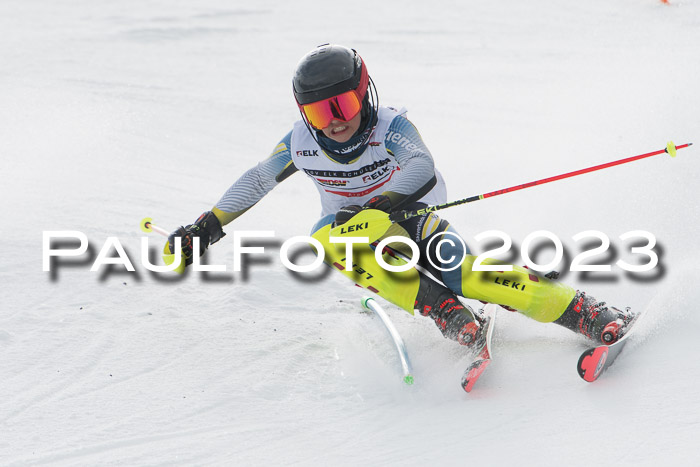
(327, 71)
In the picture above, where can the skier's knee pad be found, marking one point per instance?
(535, 297)
(399, 288)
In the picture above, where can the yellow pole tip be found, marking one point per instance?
(671, 149)
(146, 224)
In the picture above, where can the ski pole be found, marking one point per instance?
(399, 216)
(148, 226)
(169, 258)
(373, 223)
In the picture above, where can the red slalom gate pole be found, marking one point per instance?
(670, 149)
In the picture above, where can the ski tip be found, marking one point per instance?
(408, 379)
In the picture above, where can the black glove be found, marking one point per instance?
(381, 202)
(207, 227)
(346, 213)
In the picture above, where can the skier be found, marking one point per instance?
(363, 156)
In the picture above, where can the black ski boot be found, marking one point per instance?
(596, 320)
(455, 320)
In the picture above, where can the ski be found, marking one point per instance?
(483, 357)
(593, 362)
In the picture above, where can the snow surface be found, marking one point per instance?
(114, 111)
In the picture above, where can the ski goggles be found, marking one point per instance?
(343, 107)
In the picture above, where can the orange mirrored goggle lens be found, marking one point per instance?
(342, 107)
